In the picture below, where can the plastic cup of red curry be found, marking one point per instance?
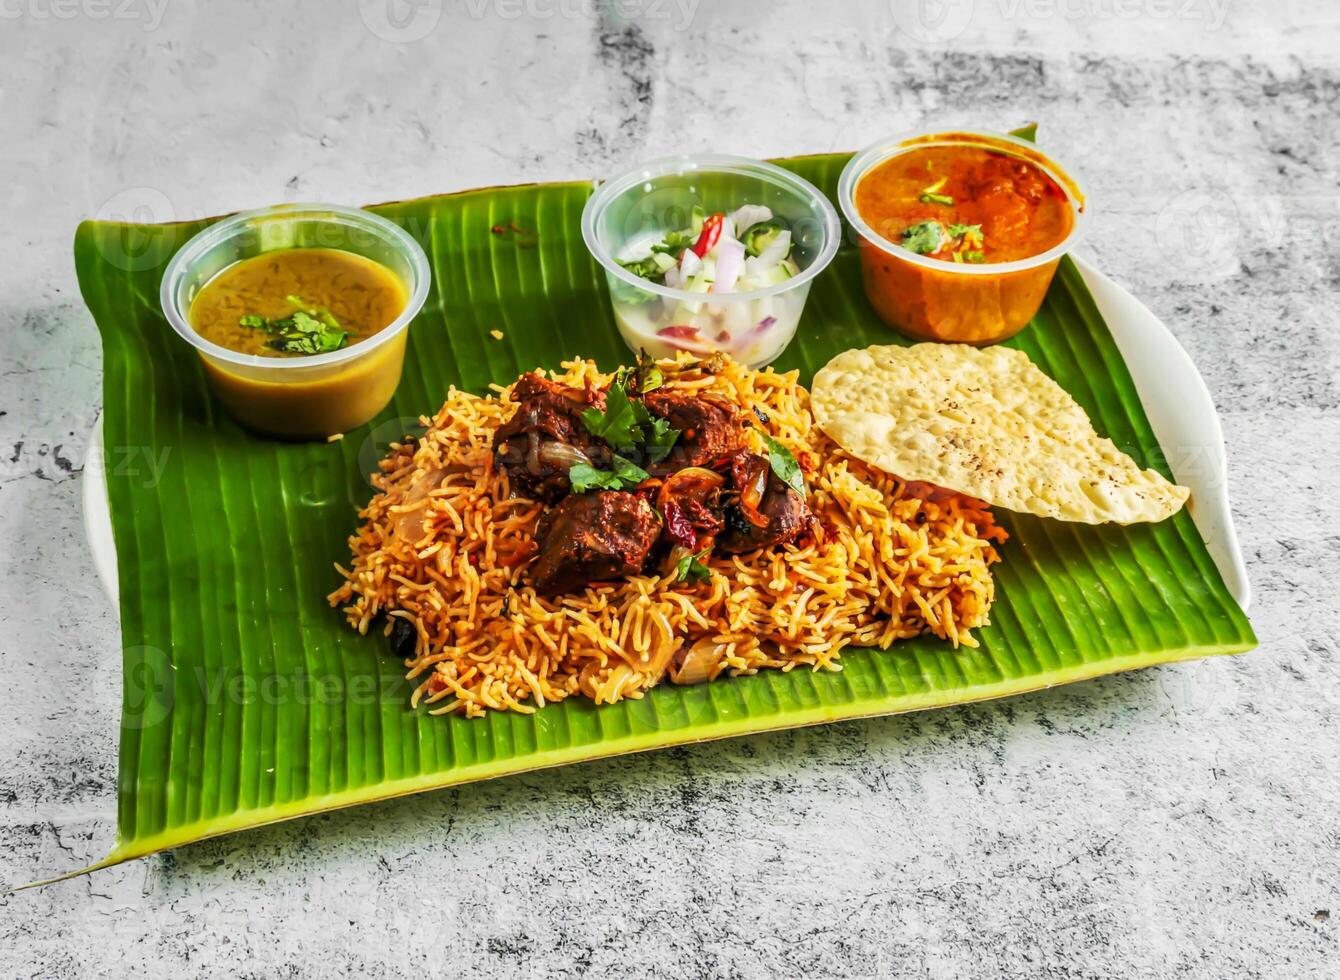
(960, 232)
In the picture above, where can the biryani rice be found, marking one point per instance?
(444, 545)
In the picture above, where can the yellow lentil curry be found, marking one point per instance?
(291, 304)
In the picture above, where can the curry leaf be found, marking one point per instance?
(784, 465)
(693, 567)
(649, 375)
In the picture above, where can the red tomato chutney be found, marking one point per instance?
(966, 207)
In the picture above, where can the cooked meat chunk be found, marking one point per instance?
(766, 513)
(593, 536)
(709, 428)
(541, 442)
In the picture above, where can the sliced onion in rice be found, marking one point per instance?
(409, 525)
(562, 455)
(696, 664)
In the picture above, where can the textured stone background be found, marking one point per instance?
(1179, 821)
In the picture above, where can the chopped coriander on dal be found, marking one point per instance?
(305, 331)
(297, 302)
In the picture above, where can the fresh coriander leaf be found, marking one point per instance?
(654, 433)
(974, 257)
(626, 424)
(624, 474)
(306, 323)
(924, 238)
(312, 331)
(333, 340)
(618, 424)
(965, 231)
(584, 477)
(303, 333)
(674, 243)
(659, 439)
(628, 471)
(784, 465)
(645, 268)
(944, 199)
(692, 567)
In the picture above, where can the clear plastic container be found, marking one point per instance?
(308, 397)
(628, 212)
(928, 299)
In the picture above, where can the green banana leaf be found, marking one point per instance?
(247, 700)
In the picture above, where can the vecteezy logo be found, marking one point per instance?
(1197, 233)
(127, 243)
(148, 687)
(379, 439)
(400, 21)
(931, 21)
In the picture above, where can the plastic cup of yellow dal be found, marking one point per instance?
(307, 396)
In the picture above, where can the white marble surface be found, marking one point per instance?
(1179, 821)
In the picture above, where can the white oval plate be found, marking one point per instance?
(1174, 395)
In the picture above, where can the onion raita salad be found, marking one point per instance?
(722, 258)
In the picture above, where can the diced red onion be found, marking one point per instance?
(730, 263)
(689, 264)
(764, 324)
(748, 215)
(683, 337)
